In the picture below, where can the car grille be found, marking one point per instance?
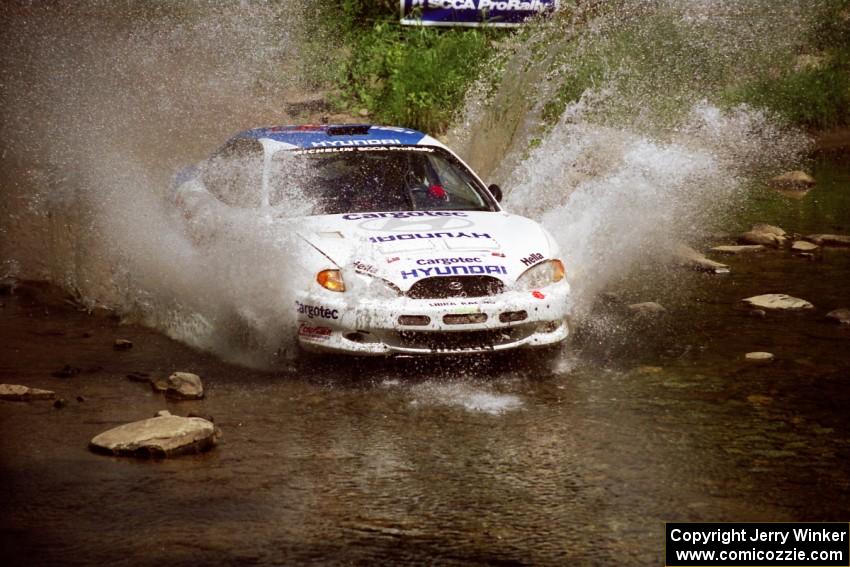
(456, 286)
(456, 341)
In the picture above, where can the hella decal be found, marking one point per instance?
(451, 271)
(415, 235)
(317, 311)
(532, 259)
(364, 268)
(446, 261)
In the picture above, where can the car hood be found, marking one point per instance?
(404, 247)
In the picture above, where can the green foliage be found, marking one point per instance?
(412, 76)
(815, 98)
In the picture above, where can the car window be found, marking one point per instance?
(352, 180)
(234, 173)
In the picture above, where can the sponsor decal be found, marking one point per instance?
(461, 302)
(339, 150)
(538, 294)
(416, 235)
(416, 273)
(532, 259)
(317, 311)
(316, 333)
(446, 261)
(500, 13)
(393, 259)
(402, 215)
(499, 254)
(412, 224)
(364, 268)
(348, 143)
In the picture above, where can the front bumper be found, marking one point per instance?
(454, 325)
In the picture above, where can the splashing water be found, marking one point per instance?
(99, 112)
(607, 124)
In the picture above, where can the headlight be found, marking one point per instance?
(541, 275)
(331, 279)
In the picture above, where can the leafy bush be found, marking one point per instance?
(410, 76)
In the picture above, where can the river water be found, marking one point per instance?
(504, 460)
(513, 459)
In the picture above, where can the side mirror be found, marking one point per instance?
(496, 191)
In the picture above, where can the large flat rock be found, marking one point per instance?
(19, 393)
(777, 301)
(741, 249)
(840, 240)
(162, 436)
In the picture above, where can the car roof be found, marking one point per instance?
(339, 135)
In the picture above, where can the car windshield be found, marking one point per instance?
(363, 179)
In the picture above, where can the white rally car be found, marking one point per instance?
(404, 250)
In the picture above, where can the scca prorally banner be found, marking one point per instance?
(503, 13)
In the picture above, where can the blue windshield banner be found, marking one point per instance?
(498, 13)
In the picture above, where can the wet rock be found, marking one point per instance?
(60, 403)
(841, 316)
(18, 393)
(139, 377)
(164, 413)
(81, 399)
(742, 249)
(162, 436)
(758, 313)
(122, 344)
(650, 370)
(837, 240)
(66, 371)
(777, 301)
(760, 357)
(647, 309)
(159, 384)
(793, 180)
(803, 246)
(690, 258)
(764, 234)
(764, 228)
(184, 386)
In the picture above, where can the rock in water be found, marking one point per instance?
(689, 257)
(648, 308)
(839, 240)
(764, 234)
(803, 246)
(745, 249)
(759, 357)
(777, 301)
(18, 393)
(793, 180)
(841, 316)
(163, 436)
(122, 344)
(184, 386)
(765, 228)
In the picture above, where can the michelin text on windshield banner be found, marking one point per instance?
(499, 13)
(805, 544)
